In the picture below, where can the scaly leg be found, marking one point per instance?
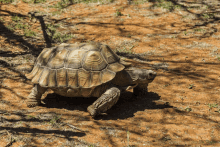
(34, 98)
(140, 90)
(105, 101)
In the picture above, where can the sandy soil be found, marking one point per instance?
(178, 40)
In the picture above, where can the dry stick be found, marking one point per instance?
(71, 126)
(11, 141)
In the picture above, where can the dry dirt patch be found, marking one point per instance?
(177, 39)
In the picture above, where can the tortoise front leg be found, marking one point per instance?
(34, 98)
(140, 90)
(105, 102)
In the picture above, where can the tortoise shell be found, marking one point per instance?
(76, 65)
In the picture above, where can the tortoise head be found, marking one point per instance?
(141, 76)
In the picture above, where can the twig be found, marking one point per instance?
(12, 140)
(71, 126)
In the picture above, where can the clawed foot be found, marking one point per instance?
(92, 110)
(33, 104)
(140, 91)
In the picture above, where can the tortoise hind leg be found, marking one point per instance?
(104, 102)
(34, 98)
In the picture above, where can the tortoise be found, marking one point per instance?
(86, 70)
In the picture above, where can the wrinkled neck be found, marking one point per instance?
(133, 76)
(123, 78)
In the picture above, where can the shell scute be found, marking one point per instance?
(33, 72)
(93, 61)
(91, 46)
(116, 67)
(37, 76)
(44, 77)
(52, 82)
(96, 79)
(107, 75)
(44, 56)
(73, 60)
(61, 78)
(58, 58)
(84, 78)
(109, 55)
(72, 78)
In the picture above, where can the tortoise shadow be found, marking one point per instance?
(124, 108)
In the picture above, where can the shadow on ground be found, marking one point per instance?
(124, 108)
(35, 131)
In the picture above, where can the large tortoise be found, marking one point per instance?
(85, 70)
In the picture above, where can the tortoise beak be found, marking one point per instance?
(152, 75)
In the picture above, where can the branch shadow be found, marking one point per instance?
(12, 38)
(43, 27)
(35, 131)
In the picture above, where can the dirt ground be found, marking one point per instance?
(180, 40)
